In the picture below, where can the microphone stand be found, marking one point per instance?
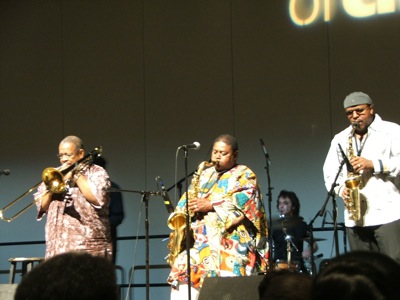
(331, 194)
(179, 184)
(187, 223)
(145, 199)
(270, 228)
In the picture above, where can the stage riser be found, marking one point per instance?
(231, 288)
(7, 291)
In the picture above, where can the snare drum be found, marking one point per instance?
(283, 265)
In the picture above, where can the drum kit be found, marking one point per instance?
(307, 266)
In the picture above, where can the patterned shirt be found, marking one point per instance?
(231, 240)
(74, 224)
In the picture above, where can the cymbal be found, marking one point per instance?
(307, 239)
(286, 221)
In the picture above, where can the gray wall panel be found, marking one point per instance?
(142, 77)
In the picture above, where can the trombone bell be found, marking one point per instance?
(54, 180)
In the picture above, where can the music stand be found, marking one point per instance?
(145, 199)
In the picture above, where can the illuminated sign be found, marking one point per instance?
(306, 12)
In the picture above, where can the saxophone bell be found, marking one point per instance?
(177, 220)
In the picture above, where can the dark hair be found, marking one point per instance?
(70, 276)
(293, 199)
(229, 140)
(363, 275)
(285, 284)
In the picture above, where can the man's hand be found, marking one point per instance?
(361, 164)
(200, 205)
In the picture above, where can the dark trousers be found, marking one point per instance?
(383, 238)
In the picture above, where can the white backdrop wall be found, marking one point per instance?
(141, 77)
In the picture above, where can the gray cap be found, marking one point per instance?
(356, 98)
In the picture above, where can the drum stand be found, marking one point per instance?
(289, 248)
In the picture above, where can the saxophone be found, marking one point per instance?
(177, 220)
(353, 183)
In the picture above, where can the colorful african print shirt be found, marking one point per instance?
(231, 240)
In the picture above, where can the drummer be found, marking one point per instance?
(288, 234)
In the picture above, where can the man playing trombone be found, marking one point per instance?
(77, 215)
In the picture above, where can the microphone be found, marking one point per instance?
(5, 172)
(346, 160)
(194, 146)
(167, 200)
(265, 151)
(323, 220)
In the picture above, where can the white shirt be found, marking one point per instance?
(381, 188)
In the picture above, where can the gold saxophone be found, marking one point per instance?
(177, 220)
(353, 183)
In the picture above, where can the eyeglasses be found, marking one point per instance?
(358, 111)
(67, 155)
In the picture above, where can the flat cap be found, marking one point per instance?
(356, 98)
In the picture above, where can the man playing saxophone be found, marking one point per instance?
(228, 223)
(374, 157)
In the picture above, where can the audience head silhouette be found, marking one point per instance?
(363, 275)
(70, 276)
(285, 285)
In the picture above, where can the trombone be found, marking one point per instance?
(54, 181)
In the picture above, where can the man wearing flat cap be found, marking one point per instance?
(367, 157)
